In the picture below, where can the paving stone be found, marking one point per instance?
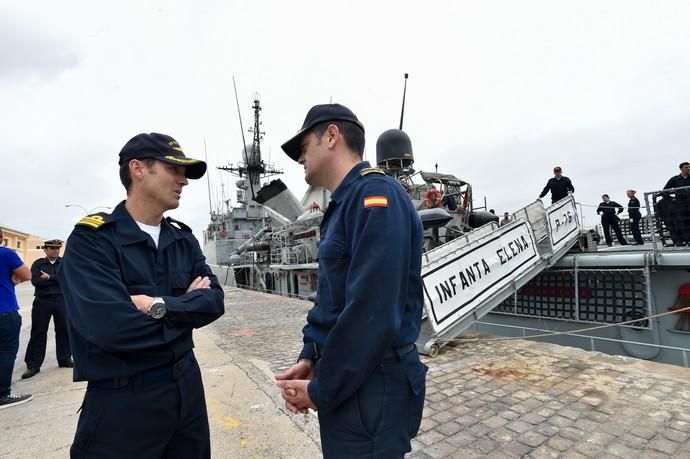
(461, 439)
(622, 450)
(441, 450)
(430, 437)
(573, 455)
(569, 413)
(633, 441)
(485, 445)
(459, 410)
(559, 443)
(559, 421)
(589, 449)
(515, 449)
(642, 432)
(427, 424)
(479, 430)
(682, 426)
(674, 435)
(443, 416)
(509, 415)
(547, 429)
(518, 426)
(571, 433)
(586, 425)
(600, 438)
(532, 418)
(544, 452)
(495, 421)
(533, 439)
(449, 428)
(661, 444)
(502, 435)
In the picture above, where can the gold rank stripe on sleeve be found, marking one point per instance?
(92, 221)
(375, 201)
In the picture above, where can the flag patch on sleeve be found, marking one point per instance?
(375, 201)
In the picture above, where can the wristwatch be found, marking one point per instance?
(157, 308)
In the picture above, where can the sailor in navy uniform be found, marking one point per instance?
(48, 302)
(609, 220)
(136, 285)
(359, 366)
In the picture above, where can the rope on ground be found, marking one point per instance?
(571, 332)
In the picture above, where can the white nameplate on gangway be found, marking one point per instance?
(460, 283)
(563, 222)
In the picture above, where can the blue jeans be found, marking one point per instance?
(10, 326)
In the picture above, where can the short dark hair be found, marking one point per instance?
(125, 176)
(684, 163)
(605, 196)
(557, 169)
(353, 134)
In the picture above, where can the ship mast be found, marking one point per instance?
(252, 166)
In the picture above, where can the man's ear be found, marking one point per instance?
(136, 168)
(333, 134)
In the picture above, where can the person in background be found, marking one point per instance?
(677, 208)
(13, 271)
(609, 219)
(48, 302)
(432, 199)
(559, 185)
(506, 219)
(449, 201)
(635, 216)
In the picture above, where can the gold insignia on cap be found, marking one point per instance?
(175, 146)
(371, 170)
(181, 160)
(92, 221)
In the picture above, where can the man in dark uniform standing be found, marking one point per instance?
(48, 302)
(136, 285)
(635, 216)
(560, 186)
(359, 366)
(609, 220)
(678, 207)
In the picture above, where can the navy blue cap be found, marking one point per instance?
(163, 148)
(318, 114)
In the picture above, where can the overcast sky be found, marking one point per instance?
(499, 92)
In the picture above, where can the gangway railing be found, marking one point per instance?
(466, 278)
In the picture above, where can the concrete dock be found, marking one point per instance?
(495, 399)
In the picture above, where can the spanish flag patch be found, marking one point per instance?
(375, 201)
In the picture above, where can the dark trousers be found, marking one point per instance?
(635, 229)
(159, 420)
(380, 419)
(612, 222)
(10, 326)
(45, 307)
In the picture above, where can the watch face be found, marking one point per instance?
(157, 310)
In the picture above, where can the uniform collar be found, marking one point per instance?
(342, 190)
(130, 233)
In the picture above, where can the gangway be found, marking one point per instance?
(466, 278)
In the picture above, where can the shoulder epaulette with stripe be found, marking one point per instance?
(178, 224)
(95, 221)
(371, 170)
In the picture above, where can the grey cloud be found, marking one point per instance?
(27, 52)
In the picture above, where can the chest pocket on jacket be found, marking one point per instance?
(180, 282)
(333, 266)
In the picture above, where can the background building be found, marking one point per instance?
(29, 247)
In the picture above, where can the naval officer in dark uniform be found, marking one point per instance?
(48, 302)
(359, 366)
(609, 219)
(136, 285)
(635, 216)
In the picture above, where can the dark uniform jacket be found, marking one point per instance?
(634, 209)
(46, 287)
(559, 188)
(677, 181)
(608, 210)
(369, 296)
(108, 258)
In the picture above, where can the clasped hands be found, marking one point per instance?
(293, 386)
(143, 302)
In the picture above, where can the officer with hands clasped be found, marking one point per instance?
(609, 219)
(359, 366)
(48, 302)
(136, 285)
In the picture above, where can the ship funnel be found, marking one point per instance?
(394, 150)
(277, 197)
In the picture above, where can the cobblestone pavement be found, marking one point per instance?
(506, 399)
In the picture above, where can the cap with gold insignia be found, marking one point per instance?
(316, 115)
(53, 243)
(163, 148)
